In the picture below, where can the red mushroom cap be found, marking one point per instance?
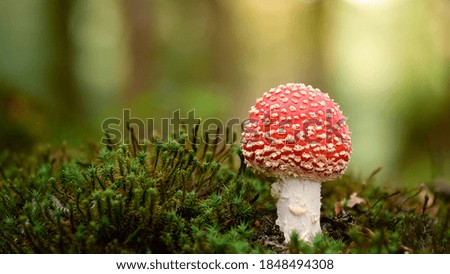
(297, 131)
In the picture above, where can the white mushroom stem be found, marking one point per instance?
(298, 207)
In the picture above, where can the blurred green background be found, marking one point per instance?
(65, 66)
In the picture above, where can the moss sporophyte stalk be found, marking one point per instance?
(195, 196)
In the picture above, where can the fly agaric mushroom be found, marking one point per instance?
(298, 134)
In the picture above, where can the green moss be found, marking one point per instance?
(176, 197)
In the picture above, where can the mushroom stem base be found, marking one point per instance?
(298, 207)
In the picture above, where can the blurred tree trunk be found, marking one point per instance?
(139, 18)
(62, 77)
(310, 31)
(223, 45)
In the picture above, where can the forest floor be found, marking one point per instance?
(193, 197)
